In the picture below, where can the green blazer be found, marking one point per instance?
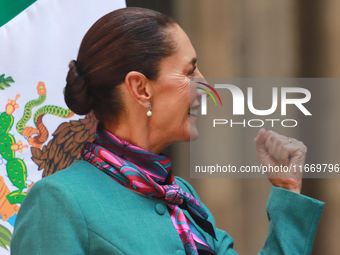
(81, 210)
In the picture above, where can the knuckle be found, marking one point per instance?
(270, 132)
(279, 142)
(272, 138)
(283, 141)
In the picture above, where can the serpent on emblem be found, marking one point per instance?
(38, 135)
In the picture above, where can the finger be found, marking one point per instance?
(260, 140)
(284, 154)
(276, 147)
(297, 152)
(270, 142)
(281, 151)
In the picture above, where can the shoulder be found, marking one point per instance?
(50, 211)
(80, 176)
(61, 187)
(79, 170)
(81, 183)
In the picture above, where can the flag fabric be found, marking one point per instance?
(39, 135)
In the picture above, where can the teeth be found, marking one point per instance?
(193, 112)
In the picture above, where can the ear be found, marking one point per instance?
(139, 87)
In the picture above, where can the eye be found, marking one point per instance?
(192, 70)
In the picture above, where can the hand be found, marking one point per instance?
(276, 150)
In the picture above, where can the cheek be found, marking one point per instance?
(193, 93)
(173, 92)
(181, 89)
(173, 101)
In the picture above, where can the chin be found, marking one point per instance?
(193, 134)
(193, 129)
(193, 138)
(190, 134)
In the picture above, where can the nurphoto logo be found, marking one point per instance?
(239, 104)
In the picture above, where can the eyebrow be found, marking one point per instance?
(193, 61)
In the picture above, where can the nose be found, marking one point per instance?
(199, 74)
(200, 78)
(201, 89)
(201, 92)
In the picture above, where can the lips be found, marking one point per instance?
(193, 112)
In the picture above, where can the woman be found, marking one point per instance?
(133, 71)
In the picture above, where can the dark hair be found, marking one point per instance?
(125, 40)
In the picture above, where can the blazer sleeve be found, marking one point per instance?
(49, 222)
(293, 220)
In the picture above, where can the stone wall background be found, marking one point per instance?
(265, 39)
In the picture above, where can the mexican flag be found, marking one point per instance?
(39, 135)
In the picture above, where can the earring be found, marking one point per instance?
(149, 113)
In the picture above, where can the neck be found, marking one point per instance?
(140, 135)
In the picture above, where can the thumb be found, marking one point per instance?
(260, 140)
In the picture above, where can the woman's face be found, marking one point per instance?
(176, 101)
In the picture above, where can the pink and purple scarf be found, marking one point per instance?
(150, 174)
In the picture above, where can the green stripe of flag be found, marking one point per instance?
(11, 8)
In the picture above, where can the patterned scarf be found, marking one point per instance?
(150, 174)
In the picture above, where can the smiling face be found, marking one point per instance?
(175, 100)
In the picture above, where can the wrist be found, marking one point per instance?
(292, 185)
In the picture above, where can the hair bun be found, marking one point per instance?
(76, 91)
